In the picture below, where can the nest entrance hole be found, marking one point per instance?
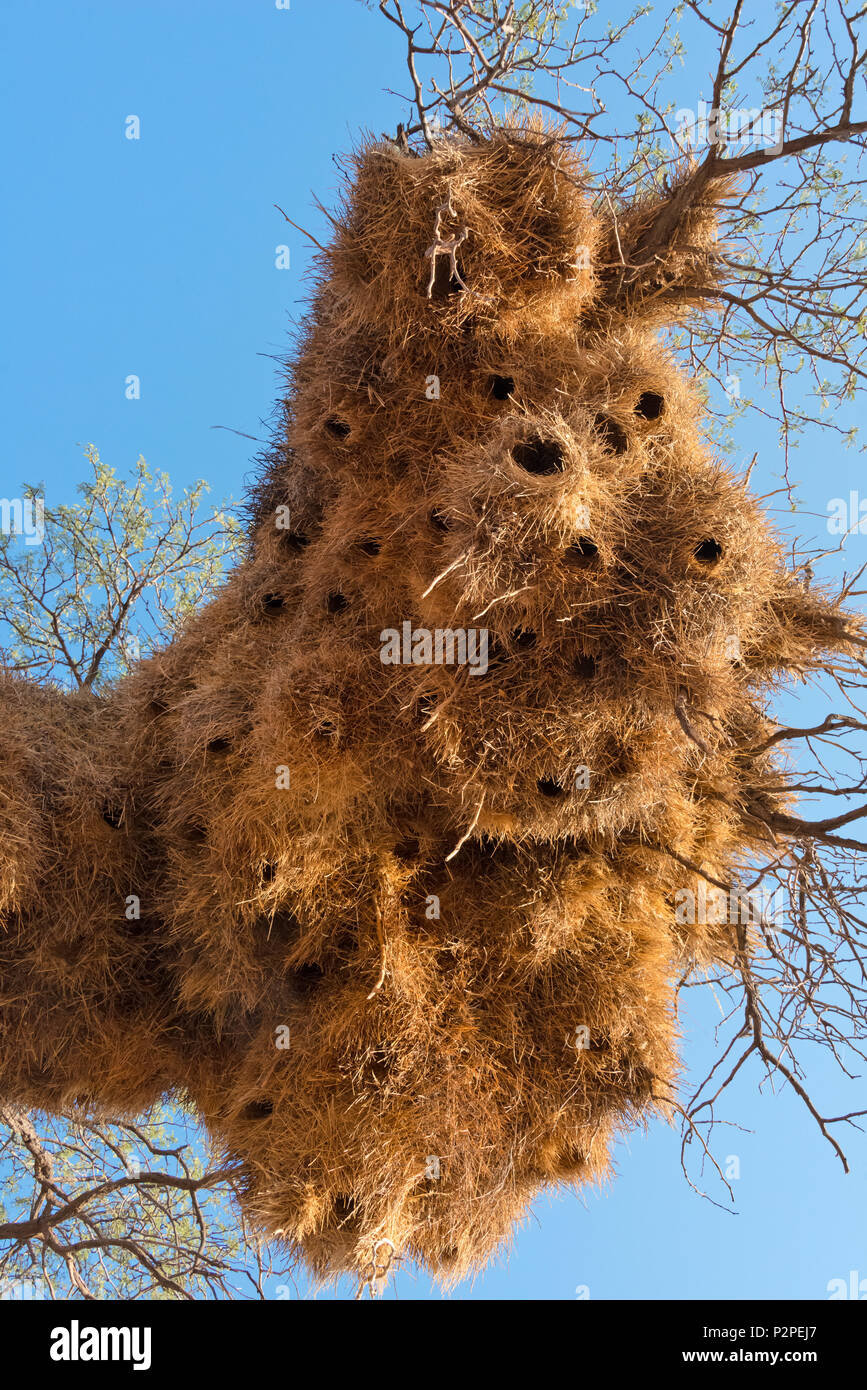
(294, 541)
(307, 977)
(345, 1210)
(551, 788)
(541, 457)
(708, 551)
(650, 405)
(258, 1110)
(501, 387)
(582, 552)
(408, 849)
(447, 279)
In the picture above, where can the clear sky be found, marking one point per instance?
(156, 257)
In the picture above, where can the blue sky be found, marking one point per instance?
(156, 257)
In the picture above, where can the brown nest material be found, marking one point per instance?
(453, 887)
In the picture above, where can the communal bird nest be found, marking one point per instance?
(403, 813)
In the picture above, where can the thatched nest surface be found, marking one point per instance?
(454, 887)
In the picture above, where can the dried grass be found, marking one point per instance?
(559, 486)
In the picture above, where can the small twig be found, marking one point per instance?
(469, 831)
(442, 246)
(303, 232)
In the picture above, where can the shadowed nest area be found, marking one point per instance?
(405, 931)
